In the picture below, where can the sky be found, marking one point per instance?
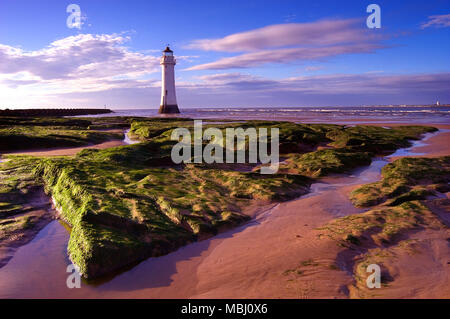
(232, 53)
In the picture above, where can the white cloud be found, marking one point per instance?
(91, 62)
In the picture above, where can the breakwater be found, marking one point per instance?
(53, 112)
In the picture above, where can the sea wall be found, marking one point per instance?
(53, 112)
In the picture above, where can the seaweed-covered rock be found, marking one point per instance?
(405, 179)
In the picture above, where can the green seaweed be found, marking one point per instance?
(405, 179)
(117, 200)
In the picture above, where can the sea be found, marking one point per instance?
(337, 115)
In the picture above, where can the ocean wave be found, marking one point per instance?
(323, 110)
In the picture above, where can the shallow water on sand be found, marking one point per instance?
(31, 272)
(128, 140)
(416, 144)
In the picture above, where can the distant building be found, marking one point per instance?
(168, 96)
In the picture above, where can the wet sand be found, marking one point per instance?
(437, 145)
(69, 151)
(256, 260)
(436, 125)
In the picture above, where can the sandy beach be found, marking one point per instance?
(276, 255)
(437, 145)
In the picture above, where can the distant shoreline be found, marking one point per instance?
(54, 112)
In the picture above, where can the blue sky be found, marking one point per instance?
(230, 53)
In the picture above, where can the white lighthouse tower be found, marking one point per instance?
(168, 96)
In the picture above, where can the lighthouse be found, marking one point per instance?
(168, 96)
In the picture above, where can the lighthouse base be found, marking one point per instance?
(169, 109)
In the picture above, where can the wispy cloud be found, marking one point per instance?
(370, 83)
(283, 43)
(290, 17)
(334, 83)
(230, 81)
(325, 32)
(286, 55)
(437, 21)
(236, 89)
(312, 68)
